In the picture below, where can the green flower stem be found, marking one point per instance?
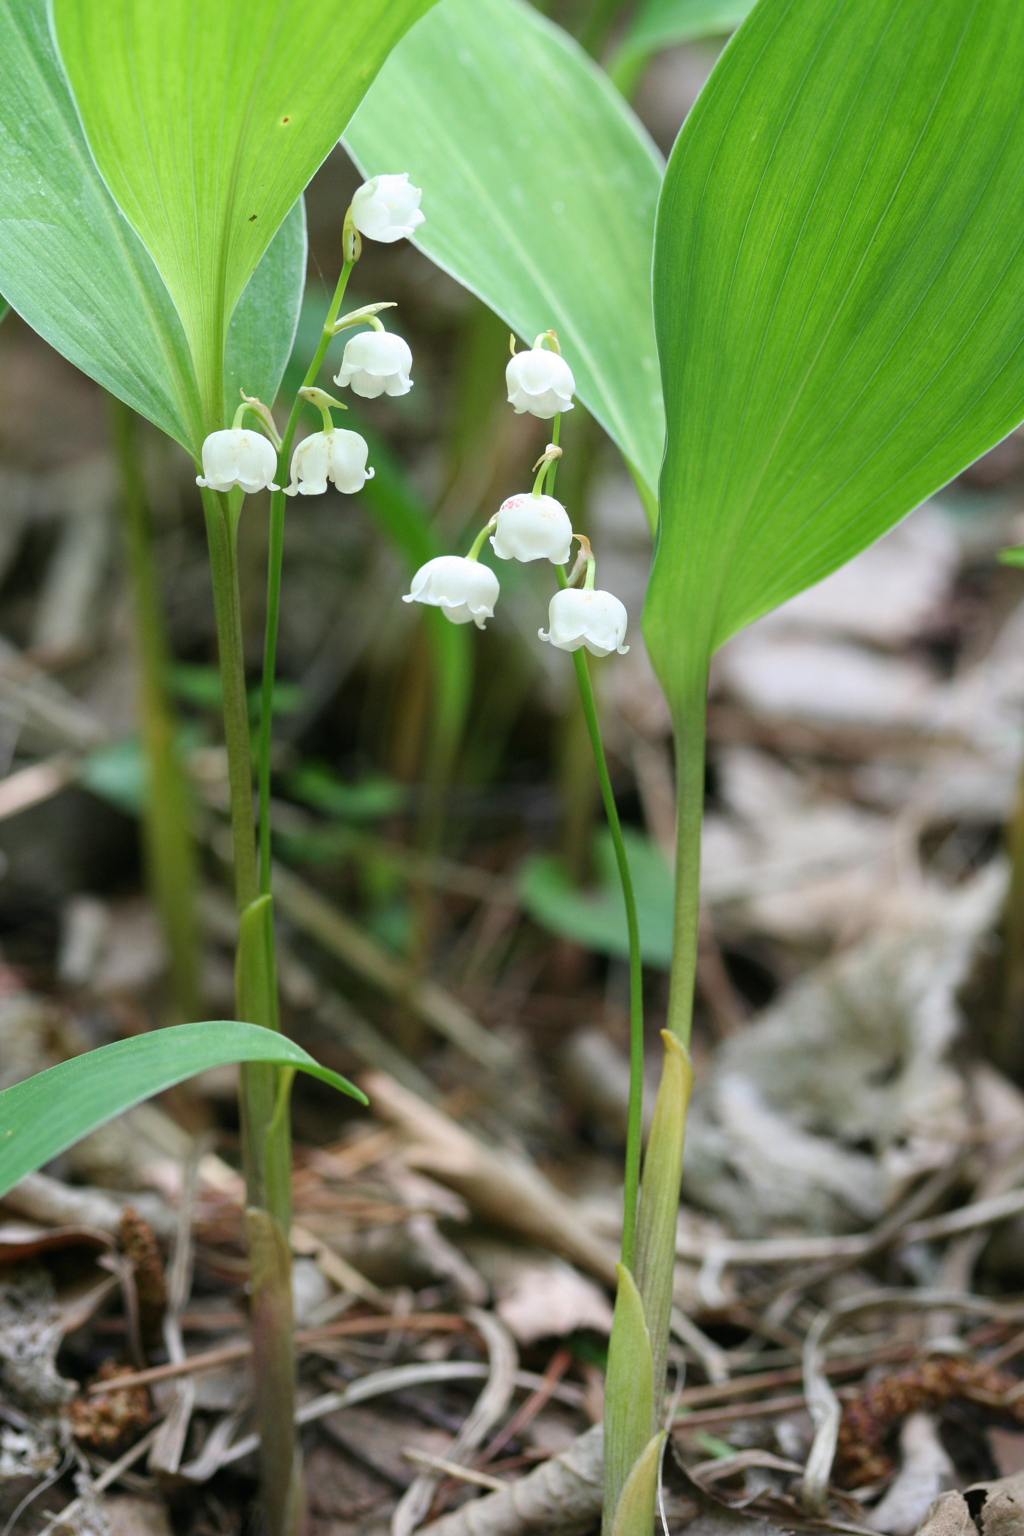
(634, 1123)
(221, 513)
(166, 821)
(266, 1139)
(274, 559)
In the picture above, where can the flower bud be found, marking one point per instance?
(463, 589)
(532, 528)
(238, 457)
(387, 208)
(581, 617)
(376, 363)
(338, 456)
(540, 382)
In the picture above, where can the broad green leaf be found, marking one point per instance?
(207, 122)
(839, 298)
(598, 920)
(79, 275)
(628, 1392)
(262, 329)
(69, 264)
(539, 189)
(46, 1113)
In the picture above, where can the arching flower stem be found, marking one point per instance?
(634, 1123)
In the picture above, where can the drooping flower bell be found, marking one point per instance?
(337, 455)
(539, 381)
(237, 456)
(387, 208)
(578, 617)
(376, 363)
(532, 527)
(457, 584)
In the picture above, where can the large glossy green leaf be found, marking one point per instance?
(839, 297)
(48, 1112)
(539, 189)
(78, 274)
(69, 264)
(207, 120)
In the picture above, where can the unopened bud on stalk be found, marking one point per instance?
(387, 208)
(457, 584)
(539, 381)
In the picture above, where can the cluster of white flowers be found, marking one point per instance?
(375, 362)
(530, 526)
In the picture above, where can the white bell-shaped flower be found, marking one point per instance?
(376, 363)
(463, 589)
(237, 456)
(337, 455)
(541, 382)
(580, 617)
(532, 527)
(387, 208)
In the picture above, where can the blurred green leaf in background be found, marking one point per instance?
(597, 920)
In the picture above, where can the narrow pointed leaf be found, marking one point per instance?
(629, 1392)
(839, 297)
(207, 122)
(539, 189)
(634, 1515)
(48, 1112)
(659, 1199)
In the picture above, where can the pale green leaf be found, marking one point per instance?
(839, 296)
(598, 919)
(539, 190)
(634, 1515)
(69, 264)
(664, 23)
(628, 1392)
(78, 274)
(262, 328)
(48, 1112)
(207, 122)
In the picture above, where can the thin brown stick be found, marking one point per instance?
(762, 1381)
(211, 1359)
(730, 1411)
